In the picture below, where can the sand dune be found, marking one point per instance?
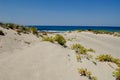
(49, 61)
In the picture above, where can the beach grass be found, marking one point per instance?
(20, 28)
(60, 39)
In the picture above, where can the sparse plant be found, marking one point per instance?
(78, 57)
(34, 30)
(27, 42)
(2, 33)
(20, 28)
(108, 58)
(47, 38)
(60, 39)
(104, 57)
(76, 46)
(116, 74)
(93, 78)
(79, 49)
(88, 74)
(85, 72)
(91, 50)
(116, 61)
(94, 62)
(89, 56)
(82, 71)
(11, 25)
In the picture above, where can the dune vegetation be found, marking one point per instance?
(116, 74)
(57, 38)
(108, 58)
(86, 73)
(81, 49)
(2, 33)
(20, 28)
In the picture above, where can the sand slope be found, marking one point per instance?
(44, 61)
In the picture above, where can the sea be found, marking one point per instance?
(72, 28)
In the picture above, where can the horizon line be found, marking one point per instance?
(78, 25)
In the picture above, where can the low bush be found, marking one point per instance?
(1, 33)
(88, 74)
(101, 32)
(104, 57)
(84, 72)
(81, 49)
(19, 28)
(116, 61)
(76, 46)
(91, 50)
(116, 74)
(60, 39)
(50, 39)
(108, 58)
(11, 25)
(34, 30)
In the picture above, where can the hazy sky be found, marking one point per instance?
(61, 12)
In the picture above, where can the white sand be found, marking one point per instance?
(101, 43)
(48, 61)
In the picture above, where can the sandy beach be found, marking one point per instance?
(27, 57)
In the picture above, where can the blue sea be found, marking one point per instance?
(71, 28)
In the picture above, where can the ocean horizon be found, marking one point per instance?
(72, 28)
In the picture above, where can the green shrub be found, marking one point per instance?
(60, 39)
(108, 58)
(1, 33)
(88, 74)
(116, 61)
(101, 32)
(46, 38)
(116, 74)
(19, 28)
(34, 30)
(79, 49)
(11, 25)
(91, 50)
(104, 57)
(82, 71)
(76, 46)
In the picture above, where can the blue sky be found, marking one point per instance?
(61, 12)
